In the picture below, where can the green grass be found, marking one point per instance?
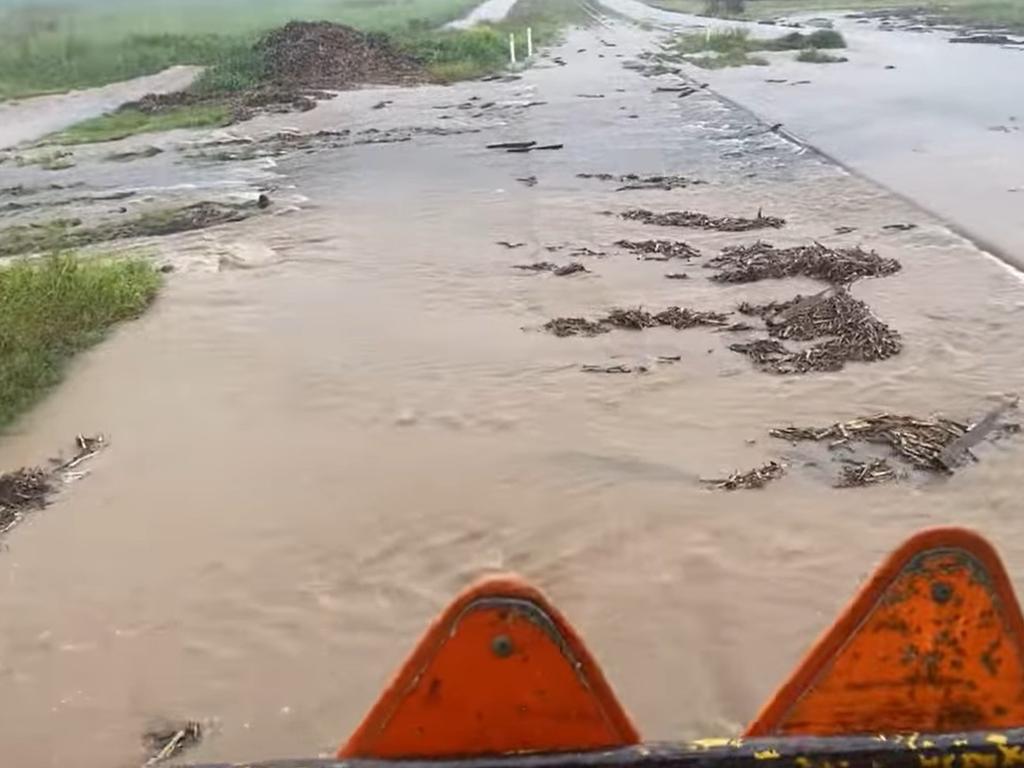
(128, 122)
(452, 55)
(46, 48)
(52, 308)
(991, 13)
(814, 56)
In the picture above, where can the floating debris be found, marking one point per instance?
(899, 227)
(677, 276)
(614, 369)
(860, 473)
(534, 147)
(575, 326)
(512, 145)
(507, 244)
(21, 491)
(529, 181)
(659, 250)
(171, 739)
(584, 251)
(632, 181)
(634, 320)
(703, 221)
(829, 313)
(766, 353)
(758, 477)
(546, 266)
(761, 261)
(736, 328)
(844, 230)
(922, 443)
(30, 488)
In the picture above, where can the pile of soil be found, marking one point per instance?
(761, 261)
(303, 62)
(634, 320)
(321, 55)
(703, 221)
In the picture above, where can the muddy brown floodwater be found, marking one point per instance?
(343, 410)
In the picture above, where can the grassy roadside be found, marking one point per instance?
(1007, 14)
(219, 96)
(52, 308)
(59, 47)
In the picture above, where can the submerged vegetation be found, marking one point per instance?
(128, 122)
(52, 308)
(733, 47)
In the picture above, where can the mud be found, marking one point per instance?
(762, 261)
(703, 221)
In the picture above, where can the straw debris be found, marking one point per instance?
(703, 221)
(758, 477)
(635, 319)
(860, 473)
(659, 250)
(762, 261)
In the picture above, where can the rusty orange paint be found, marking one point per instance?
(934, 642)
(500, 671)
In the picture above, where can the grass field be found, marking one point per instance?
(1001, 13)
(128, 122)
(46, 48)
(52, 308)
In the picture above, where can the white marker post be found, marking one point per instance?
(512, 47)
(529, 42)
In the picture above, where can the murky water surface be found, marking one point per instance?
(341, 412)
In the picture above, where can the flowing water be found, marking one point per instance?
(341, 412)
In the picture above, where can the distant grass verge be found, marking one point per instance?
(54, 307)
(128, 122)
(733, 47)
(814, 56)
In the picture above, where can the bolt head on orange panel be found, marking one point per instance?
(934, 642)
(500, 671)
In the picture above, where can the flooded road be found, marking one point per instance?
(31, 119)
(936, 122)
(342, 411)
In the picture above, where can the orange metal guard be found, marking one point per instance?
(501, 671)
(932, 643)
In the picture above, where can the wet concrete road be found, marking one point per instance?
(944, 128)
(343, 410)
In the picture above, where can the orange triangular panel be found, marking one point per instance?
(934, 642)
(499, 671)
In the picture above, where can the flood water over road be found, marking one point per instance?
(937, 122)
(316, 442)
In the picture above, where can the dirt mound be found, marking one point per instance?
(334, 56)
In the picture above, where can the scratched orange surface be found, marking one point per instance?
(492, 678)
(932, 643)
